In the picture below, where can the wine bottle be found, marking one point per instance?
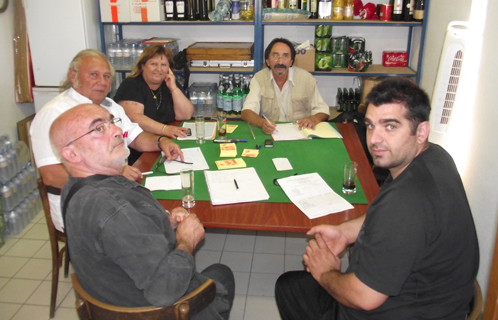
(418, 13)
(397, 10)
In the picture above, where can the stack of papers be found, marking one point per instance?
(209, 130)
(230, 164)
(235, 186)
(290, 131)
(312, 195)
(191, 155)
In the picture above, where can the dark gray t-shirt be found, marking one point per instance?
(418, 244)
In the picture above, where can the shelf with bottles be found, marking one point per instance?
(348, 23)
(182, 22)
(373, 70)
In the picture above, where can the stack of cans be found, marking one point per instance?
(323, 56)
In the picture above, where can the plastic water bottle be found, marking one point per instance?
(194, 100)
(16, 194)
(201, 103)
(119, 56)
(32, 176)
(24, 209)
(4, 168)
(133, 54)
(16, 165)
(7, 197)
(125, 49)
(22, 218)
(111, 53)
(17, 180)
(209, 103)
(23, 176)
(139, 50)
(12, 224)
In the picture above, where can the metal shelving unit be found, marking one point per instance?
(259, 28)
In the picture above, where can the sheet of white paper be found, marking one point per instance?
(193, 155)
(282, 164)
(312, 195)
(163, 183)
(223, 189)
(209, 130)
(288, 131)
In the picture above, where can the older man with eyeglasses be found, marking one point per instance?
(125, 249)
(283, 92)
(88, 80)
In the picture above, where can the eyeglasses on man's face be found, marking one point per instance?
(99, 129)
(277, 56)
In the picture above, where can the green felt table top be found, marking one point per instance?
(324, 156)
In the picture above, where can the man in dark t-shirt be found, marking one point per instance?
(415, 252)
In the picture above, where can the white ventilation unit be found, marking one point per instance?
(446, 87)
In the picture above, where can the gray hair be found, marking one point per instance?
(75, 66)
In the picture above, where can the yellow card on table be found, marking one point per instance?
(230, 164)
(228, 150)
(231, 128)
(252, 153)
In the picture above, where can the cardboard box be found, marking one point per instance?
(305, 59)
(115, 10)
(220, 51)
(146, 10)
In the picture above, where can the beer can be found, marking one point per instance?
(323, 61)
(323, 31)
(385, 12)
(339, 44)
(356, 45)
(339, 60)
(322, 44)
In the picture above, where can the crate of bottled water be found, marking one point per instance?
(203, 97)
(19, 196)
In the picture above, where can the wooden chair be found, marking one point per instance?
(88, 307)
(477, 303)
(57, 254)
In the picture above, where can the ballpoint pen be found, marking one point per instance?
(269, 122)
(236, 185)
(229, 140)
(250, 128)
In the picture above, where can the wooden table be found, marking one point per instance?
(277, 216)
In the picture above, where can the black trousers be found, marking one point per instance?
(300, 297)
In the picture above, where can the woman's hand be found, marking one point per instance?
(175, 132)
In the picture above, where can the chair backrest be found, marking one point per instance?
(55, 235)
(88, 307)
(477, 303)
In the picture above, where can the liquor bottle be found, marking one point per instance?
(304, 5)
(192, 10)
(338, 98)
(349, 10)
(237, 97)
(325, 9)
(397, 10)
(245, 89)
(169, 9)
(352, 100)
(345, 99)
(314, 9)
(203, 10)
(235, 9)
(408, 10)
(418, 13)
(219, 95)
(180, 9)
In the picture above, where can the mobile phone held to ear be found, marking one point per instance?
(188, 132)
(268, 143)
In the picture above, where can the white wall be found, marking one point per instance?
(10, 111)
(481, 172)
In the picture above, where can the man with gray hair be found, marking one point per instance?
(125, 249)
(88, 81)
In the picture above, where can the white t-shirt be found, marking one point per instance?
(40, 140)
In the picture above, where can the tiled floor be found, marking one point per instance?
(256, 258)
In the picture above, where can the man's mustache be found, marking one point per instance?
(280, 66)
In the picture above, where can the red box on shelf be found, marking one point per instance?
(394, 58)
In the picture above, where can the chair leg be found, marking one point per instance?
(66, 263)
(55, 283)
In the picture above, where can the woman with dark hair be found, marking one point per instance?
(151, 97)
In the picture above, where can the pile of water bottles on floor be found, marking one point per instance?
(20, 198)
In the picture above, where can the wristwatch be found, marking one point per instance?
(159, 141)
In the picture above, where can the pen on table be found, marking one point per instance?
(229, 140)
(236, 185)
(147, 173)
(183, 161)
(269, 122)
(250, 128)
